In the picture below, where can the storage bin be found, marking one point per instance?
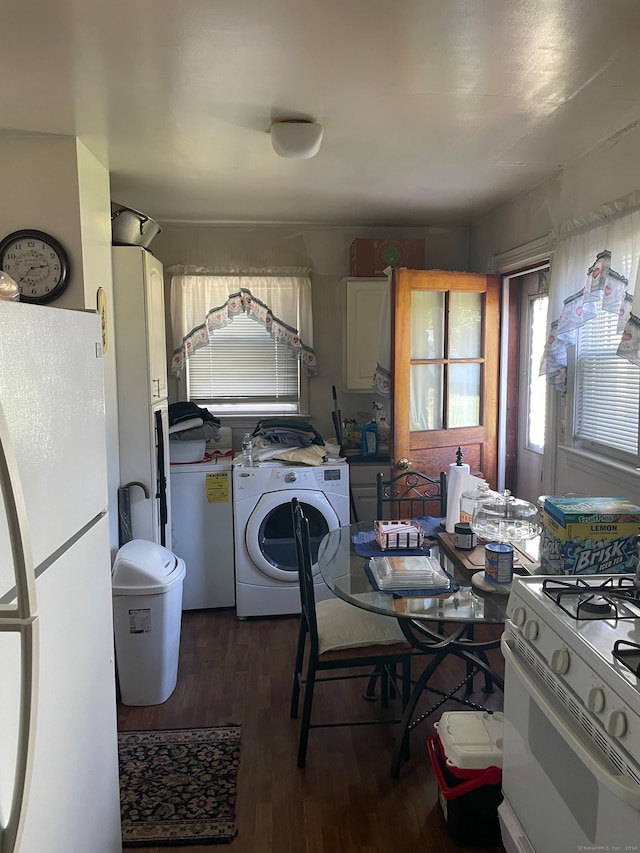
(186, 451)
(469, 794)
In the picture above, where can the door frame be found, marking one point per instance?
(509, 379)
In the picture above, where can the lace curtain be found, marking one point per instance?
(595, 268)
(381, 380)
(278, 299)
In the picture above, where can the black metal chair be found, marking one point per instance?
(340, 637)
(411, 495)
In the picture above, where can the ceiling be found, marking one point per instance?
(434, 111)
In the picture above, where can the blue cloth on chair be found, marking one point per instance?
(365, 545)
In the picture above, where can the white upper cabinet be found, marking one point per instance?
(363, 299)
(139, 306)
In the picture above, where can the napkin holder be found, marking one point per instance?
(399, 535)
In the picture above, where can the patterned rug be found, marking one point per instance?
(178, 786)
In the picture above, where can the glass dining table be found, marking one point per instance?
(438, 625)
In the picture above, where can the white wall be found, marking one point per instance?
(54, 184)
(607, 173)
(326, 252)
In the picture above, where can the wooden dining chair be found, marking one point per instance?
(411, 495)
(335, 635)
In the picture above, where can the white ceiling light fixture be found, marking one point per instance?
(296, 139)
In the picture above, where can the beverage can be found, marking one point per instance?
(498, 562)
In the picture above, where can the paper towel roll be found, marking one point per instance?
(457, 480)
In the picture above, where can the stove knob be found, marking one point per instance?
(596, 700)
(531, 629)
(519, 616)
(559, 661)
(291, 477)
(617, 723)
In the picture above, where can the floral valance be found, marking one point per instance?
(594, 269)
(280, 300)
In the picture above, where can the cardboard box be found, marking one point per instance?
(588, 536)
(372, 256)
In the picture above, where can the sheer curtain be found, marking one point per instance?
(595, 268)
(279, 299)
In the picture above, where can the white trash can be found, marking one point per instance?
(147, 584)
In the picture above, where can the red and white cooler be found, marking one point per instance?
(466, 755)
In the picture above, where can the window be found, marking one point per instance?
(537, 390)
(244, 369)
(607, 391)
(243, 344)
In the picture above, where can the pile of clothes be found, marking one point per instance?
(188, 422)
(291, 440)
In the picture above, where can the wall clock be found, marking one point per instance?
(37, 263)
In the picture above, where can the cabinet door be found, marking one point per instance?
(156, 329)
(363, 300)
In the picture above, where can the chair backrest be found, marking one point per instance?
(305, 569)
(411, 495)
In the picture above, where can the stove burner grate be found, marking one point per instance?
(629, 656)
(609, 599)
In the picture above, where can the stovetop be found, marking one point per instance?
(594, 617)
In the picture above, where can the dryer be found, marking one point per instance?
(265, 552)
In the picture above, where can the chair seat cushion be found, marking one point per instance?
(344, 626)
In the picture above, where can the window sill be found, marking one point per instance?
(597, 466)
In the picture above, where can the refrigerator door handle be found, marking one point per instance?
(16, 513)
(29, 634)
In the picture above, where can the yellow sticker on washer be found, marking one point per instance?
(217, 485)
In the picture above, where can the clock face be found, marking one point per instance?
(37, 263)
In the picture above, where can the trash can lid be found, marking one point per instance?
(143, 567)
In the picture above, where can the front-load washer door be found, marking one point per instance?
(269, 532)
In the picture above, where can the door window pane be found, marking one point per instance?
(465, 325)
(427, 324)
(464, 395)
(537, 391)
(426, 396)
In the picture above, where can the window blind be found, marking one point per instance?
(244, 368)
(607, 388)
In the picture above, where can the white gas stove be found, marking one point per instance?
(572, 711)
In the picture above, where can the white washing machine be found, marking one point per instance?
(266, 565)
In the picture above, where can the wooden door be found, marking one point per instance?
(445, 364)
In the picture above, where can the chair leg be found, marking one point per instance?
(406, 695)
(305, 723)
(370, 692)
(297, 675)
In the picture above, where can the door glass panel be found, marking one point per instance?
(537, 391)
(426, 396)
(275, 537)
(465, 325)
(464, 395)
(427, 324)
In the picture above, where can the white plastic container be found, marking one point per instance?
(147, 582)
(186, 451)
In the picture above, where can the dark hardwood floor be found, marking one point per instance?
(344, 800)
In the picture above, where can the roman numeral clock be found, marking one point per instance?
(37, 263)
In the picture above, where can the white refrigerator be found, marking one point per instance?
(58, 731)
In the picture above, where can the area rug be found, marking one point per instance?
(178, 786)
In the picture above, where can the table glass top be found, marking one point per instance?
(344, 573)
